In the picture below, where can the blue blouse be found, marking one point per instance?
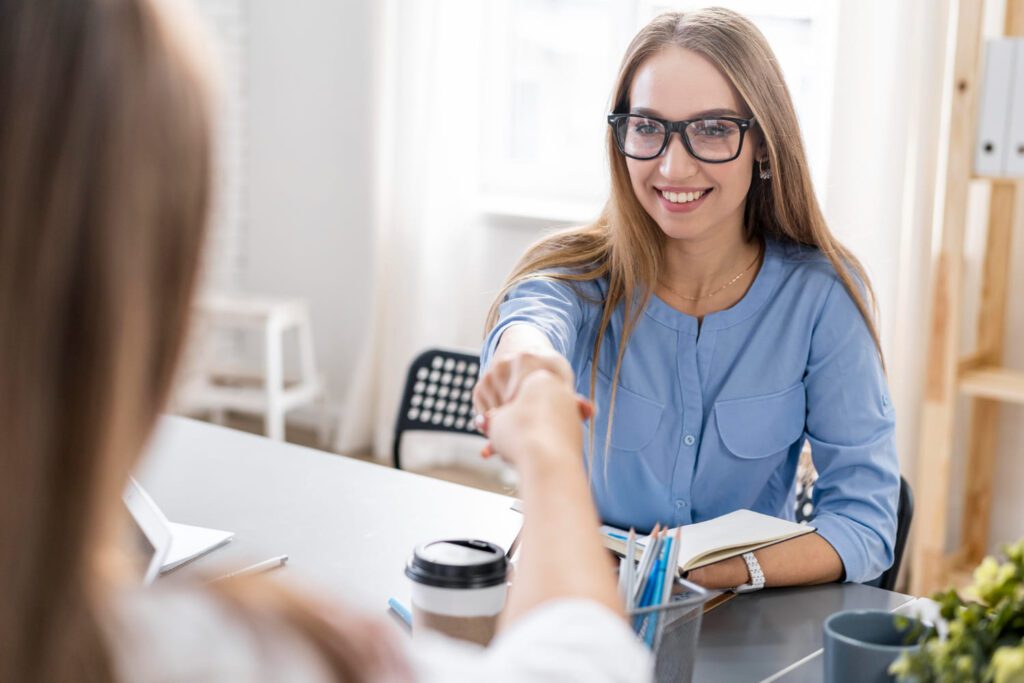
(712, 418)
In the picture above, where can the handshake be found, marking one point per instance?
(527, 407)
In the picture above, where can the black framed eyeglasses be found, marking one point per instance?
(714, 139)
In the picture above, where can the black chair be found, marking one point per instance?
(438, 396)
(904, 515)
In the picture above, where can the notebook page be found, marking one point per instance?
(733, 534)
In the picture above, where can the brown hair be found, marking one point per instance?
(105, 167)
(625, 244)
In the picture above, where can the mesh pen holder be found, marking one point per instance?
(676, 629)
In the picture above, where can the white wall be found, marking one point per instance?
(309, 201)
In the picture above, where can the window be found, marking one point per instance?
(550, 67)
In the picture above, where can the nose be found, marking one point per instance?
(676, 162)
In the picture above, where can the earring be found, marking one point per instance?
(764, 171)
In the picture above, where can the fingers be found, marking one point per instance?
(486, 396)
(502, 380)
(480, 422)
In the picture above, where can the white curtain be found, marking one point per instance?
(427, 141)
(886, 129)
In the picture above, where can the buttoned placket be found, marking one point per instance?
(691, 393)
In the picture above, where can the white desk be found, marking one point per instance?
(350, 527)
(347, 525)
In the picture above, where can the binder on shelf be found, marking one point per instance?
(994, 108)
(1015, 137)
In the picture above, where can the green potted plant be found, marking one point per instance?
(977, 640)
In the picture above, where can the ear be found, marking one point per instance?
(761, 149)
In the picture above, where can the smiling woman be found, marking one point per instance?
(712, 299)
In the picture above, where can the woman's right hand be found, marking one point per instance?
(502, 380)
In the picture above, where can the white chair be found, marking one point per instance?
(217, 386)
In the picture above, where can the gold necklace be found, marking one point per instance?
(722, 288)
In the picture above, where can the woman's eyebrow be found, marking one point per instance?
(643, 111)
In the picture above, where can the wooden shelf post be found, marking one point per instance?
(948, 371)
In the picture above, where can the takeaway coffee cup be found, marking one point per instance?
(861, 644)
(458, 588)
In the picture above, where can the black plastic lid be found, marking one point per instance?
(458, 563)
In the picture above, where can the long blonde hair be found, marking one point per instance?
(105, 168)
(625, 244)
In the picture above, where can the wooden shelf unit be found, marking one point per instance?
(949, 373)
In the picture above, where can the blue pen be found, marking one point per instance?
(401, 610)
(645, 599)
(654, 596)
(653, 593)
(659, 584)
(618, 536)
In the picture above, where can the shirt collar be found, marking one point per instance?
(758, 294)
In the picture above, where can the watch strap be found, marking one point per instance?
(756, 575)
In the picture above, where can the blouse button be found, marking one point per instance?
(689, 440)
(680, 504)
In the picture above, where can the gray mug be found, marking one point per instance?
(861, 644)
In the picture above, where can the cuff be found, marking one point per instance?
(858, 561)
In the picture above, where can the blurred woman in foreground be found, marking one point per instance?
(104, 188)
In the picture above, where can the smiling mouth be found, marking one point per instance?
(683, 197)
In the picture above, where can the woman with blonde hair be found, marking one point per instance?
(104, 186)
(712, 316)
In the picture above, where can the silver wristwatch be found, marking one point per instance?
(756, 575)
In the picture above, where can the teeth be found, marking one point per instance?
(682, 197)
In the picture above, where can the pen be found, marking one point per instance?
(259, 567)
(401, 610)
(656, 594)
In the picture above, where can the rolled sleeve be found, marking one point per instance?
(553, 306)
(851, 430)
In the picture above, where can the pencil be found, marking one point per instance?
(258, 568)
(673, 567)
(630, 567)
(643, 572)
(645, 563)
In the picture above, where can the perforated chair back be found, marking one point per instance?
(904, 516)
(438, 395)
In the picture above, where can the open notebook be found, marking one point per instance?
(717, 539)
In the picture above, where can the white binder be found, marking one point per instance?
(1015, 140)
(991, 143)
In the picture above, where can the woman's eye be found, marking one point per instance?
(646, 129)
(715, 130)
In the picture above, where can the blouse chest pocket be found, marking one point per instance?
(636, 418)
(760, 426)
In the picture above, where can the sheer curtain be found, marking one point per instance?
(427, 141)
(889, 71)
